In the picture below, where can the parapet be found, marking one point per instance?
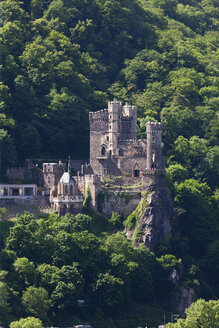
(154, 126)
(129, 110)
(100, 115)
(115, 106)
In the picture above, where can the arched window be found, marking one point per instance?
(153, 165)
(71, 190)
(136, 170)
(103, 151)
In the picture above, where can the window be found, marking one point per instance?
(103, 151)
(121, 152)
(153, 157)
(15, 192)
(28, 191)
(66, 189)
(136, 173)
(107, 138)
(136, 170)
(71, 190)
(153, 139)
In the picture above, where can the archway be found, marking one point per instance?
(136, 170)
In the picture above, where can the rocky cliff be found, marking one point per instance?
(150, 222)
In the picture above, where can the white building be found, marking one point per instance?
(18, 191)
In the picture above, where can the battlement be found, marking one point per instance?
(129, 110)
(132, 142)
(115, 106)
(100, 115)
(154, 127)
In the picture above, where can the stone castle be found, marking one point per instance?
(119, 163)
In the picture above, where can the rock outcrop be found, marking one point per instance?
(153, 215)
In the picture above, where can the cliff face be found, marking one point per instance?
(153, 215)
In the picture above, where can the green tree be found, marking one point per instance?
(177, 172)
(36, 301)
(108, 292)
(198, 216)
(25, 269)
(200, 314)
(22, 238)
(28, 322)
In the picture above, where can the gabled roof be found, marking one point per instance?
(67, 178)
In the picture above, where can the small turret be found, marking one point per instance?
(154, 146)
(115, 113)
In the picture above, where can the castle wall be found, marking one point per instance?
(52, 173)
(123, 203)
(93, 182)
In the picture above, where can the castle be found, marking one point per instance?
(115, 152)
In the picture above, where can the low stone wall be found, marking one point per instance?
(38, 201)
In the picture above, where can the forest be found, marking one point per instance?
(61, 59)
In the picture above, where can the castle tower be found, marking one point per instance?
(129, 122)
(115, 115)
(154, 146)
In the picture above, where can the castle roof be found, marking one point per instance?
(67, 178)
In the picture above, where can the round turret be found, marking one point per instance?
(154, 146)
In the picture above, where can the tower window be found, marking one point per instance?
(110, 127)
(153, 139)
(103, 151)
(107, 138)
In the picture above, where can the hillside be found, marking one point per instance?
(60, 59)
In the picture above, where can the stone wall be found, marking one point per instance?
(39, 201)
(121, 202)
(16, 173)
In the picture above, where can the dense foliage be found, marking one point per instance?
(201, 314)
(60, 59)
(47, 265)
